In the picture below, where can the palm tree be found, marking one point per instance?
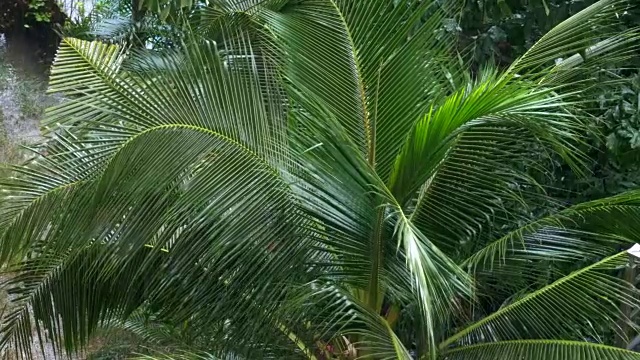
(322, 179)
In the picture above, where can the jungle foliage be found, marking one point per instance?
(331, 179)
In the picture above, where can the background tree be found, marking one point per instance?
(34, 21)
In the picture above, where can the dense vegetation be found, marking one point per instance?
(334, 179)
(501, 31)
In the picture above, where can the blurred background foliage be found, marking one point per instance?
(498, 31)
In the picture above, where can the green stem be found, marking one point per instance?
(374, 300)
(296, 340)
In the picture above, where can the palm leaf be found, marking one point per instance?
(584, 229)
(559, 310)
(539, 350)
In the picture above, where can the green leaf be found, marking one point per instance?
(540, 350)
(560, 309)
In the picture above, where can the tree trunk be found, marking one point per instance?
(17, 21)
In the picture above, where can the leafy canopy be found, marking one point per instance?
(306, 179)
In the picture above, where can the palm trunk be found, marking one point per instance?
(137, 15)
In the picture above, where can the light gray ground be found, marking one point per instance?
(22, 100)
(22, 97)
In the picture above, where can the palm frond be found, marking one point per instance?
(582, 230)
(105, 203)
(591, 295)
(540, 350)
(574, 36)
